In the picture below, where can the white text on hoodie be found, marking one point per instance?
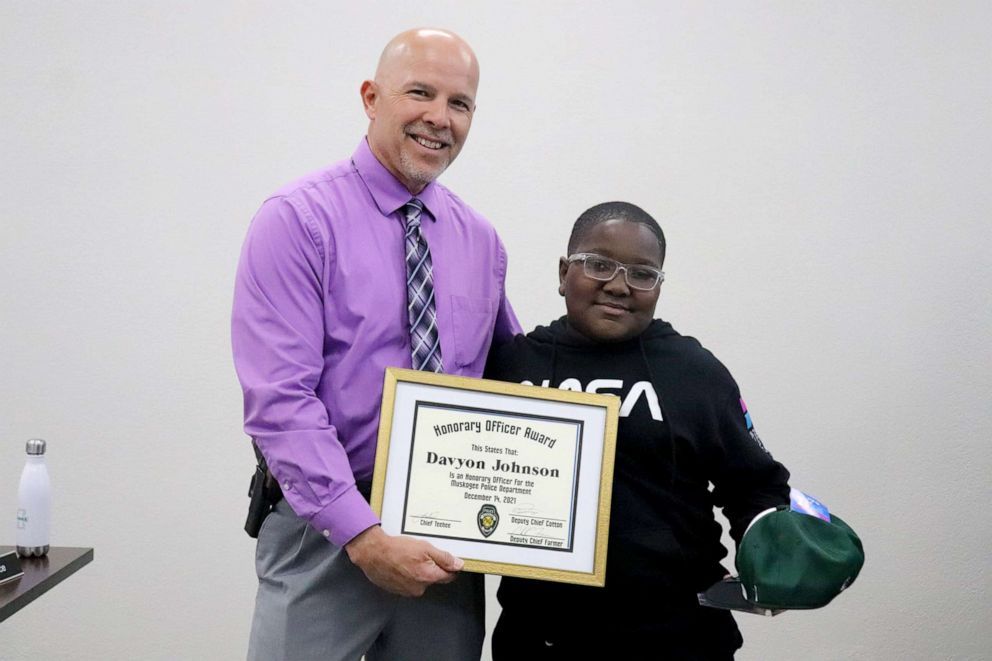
(641, 388)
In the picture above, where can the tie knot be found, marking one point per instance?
(411, 211)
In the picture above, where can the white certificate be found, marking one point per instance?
(514, 479)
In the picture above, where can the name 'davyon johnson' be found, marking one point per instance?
(500, 466)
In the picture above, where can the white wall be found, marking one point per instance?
(821, 170)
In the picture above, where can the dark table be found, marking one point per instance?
(40, 576)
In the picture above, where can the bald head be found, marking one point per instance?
(425, 43)
(421, 104)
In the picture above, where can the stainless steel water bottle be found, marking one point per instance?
(34, 503)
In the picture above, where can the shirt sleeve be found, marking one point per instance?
(746, 479)
(506, 320)
(277, 338)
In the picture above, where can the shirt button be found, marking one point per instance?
(327, 533)
(285, 486)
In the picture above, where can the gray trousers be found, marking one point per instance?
(313, 603)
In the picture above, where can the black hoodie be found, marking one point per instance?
(682, 426)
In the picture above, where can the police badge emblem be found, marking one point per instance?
(488, 520)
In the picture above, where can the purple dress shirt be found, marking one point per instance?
(320, 312)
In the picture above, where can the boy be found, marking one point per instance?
(686, 427)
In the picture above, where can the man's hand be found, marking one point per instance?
(401, 565)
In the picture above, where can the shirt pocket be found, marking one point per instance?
(472, 321)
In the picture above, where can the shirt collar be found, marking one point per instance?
(389, 194)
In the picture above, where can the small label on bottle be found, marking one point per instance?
(22, 519)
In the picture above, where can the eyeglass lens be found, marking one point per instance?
(601, 268)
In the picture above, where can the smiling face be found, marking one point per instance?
(610, 311)
(420, 105)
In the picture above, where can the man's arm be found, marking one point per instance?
(506, 325)
(277, 338)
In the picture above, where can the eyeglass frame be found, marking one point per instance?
(620, 266)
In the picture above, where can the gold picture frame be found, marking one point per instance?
(514, 479)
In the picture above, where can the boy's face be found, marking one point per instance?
(610, 311)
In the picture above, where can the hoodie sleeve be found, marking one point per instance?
(746, 479)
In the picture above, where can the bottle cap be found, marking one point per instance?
(36, 446)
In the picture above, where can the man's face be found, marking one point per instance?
(610, 311)
(420, 109)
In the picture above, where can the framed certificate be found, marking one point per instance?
(514, 479)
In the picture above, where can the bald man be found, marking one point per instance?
(320, 310)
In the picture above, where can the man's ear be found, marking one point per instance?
(370, 92)
(562, 272)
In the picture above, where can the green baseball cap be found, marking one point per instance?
(791, 560)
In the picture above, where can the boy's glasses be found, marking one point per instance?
(638, 276)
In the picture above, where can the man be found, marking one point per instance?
(364, 265)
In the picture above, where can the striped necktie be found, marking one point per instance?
(424, 342)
